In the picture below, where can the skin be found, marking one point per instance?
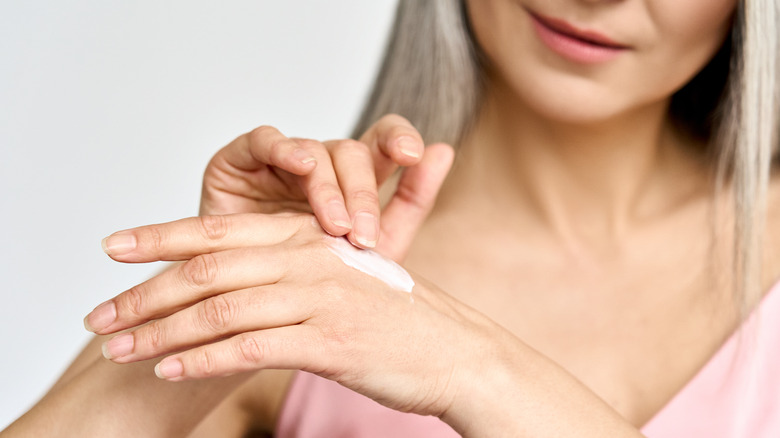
(598, 261)
(76, 404)
(264, 171)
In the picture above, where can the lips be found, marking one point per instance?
(574, 44)
(586, 36)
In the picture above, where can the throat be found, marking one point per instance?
(579, 183)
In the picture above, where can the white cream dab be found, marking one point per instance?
(371, 263)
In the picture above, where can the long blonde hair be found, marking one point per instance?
(431, 74)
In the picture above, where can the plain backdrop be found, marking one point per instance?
(109, 112)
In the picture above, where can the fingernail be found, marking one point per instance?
(408, 147)
(169, 368)
(365, 229)
(303, 156)
(119, 346)
(338, 215)
(100, 318)
(118, 244)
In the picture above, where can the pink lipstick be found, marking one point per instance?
(577, 45)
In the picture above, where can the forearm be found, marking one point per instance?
(105, 399)
(524, 394)
(89, 353)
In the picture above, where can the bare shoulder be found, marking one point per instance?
(252, 410)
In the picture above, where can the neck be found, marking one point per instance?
(583, 183)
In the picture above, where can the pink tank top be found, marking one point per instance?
(735, 395)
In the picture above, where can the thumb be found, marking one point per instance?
(413, 200)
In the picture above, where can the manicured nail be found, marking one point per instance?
(303, 156)
(119, 346)
(338, 215)
(366, 229)
(408, 147)
(119, 244)
(169, 369)
(100, 318)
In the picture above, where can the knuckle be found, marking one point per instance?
(218, 313)
(404, 131)
(154, 238)
(205, 363)
(339, 336)
(251, 350)
(414, 199)
(324, 188)
(351, 148)
(213, 227)
(269, 142)
(307, 229)
(259, 134)
(396, 120)
(275, 151)
(365, 197)
(393, 118)
(132, 301)
(200, 271)
(309, 144)
(154, 336)
(329, 286)
(385, 120)
(332, 294)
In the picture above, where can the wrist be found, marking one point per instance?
(490, 390)
(520, 392)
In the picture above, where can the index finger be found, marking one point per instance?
(394, 142)
(264, 146)
(185, 238)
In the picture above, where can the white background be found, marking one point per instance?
(109, 112)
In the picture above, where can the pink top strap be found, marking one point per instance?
(735, 395)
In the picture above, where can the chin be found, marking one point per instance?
(576, 101)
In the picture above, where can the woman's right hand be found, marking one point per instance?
(264, 171)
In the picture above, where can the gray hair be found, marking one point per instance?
(746, 138)
(431, 74)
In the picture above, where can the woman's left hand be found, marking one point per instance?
(267, 291)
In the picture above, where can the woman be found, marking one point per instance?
(584, 241)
